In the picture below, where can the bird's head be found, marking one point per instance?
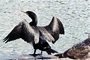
(88, 35)
(32, 15)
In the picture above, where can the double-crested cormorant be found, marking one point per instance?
(51, 32)
(30, 33)
(77, 51)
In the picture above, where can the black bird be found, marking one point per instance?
(36, 35)
(51, 32)
(77, 51)
(30, 34)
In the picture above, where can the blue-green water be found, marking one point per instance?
(74, 14)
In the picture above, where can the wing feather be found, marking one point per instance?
(46, 34)
(14, 34)
(25, 31)
(52, 31)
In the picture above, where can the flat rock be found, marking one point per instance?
(28, 57)
(37, 57)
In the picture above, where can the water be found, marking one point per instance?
(74, 14)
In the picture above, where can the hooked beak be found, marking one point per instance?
(86, 33)
(24, 12)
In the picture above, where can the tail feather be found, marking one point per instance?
(53, 51)
(49, 51)
(59, 55)
(64, 55)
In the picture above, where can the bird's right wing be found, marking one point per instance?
(25, 31)
(30, 33)
(14, 34)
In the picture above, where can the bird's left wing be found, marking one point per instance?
(52, 31)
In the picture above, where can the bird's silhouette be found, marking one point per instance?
(37, 35)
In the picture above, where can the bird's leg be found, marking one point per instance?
(34, 52)
(41, 52)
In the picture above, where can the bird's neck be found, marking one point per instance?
(34, 20)
(33, 23)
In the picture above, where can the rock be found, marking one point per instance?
(38, 57)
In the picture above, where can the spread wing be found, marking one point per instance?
(52, 31)
(14, 34)
(25, 31)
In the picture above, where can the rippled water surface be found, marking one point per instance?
(74, 14)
